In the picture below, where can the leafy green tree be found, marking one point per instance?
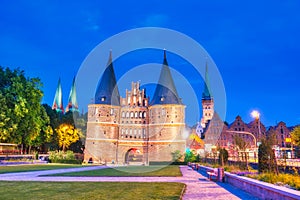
(189, 156)
(223, 156)
(22, 117)
(176, 156)
(55, 121)
(295, 135)
(266, 157)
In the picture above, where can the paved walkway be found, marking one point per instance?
(198, 186)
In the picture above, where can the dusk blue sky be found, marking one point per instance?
(255, 44)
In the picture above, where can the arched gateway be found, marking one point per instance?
(134, 156)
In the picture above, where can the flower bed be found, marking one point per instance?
(287, 180)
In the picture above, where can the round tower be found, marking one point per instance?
(166, 118)
(103, 119)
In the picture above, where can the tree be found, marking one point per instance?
(266, 157)
(67, 134)
(241, 145)
(52, 142)
(223, 156)
(22, 117)
(176, 156)
(295, 135)
(189, 156)
(79, 122)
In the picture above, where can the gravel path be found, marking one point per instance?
(198, 186)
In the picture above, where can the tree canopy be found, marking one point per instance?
(67, 134)
(22, 118)
(295, 134)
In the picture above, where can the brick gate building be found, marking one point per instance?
(133, 129)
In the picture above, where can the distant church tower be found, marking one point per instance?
(58, 102)
(167, 118)
(72, 101)
(207, 101)
(103, 119)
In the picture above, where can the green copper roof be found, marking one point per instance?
(165, 92)
(72, 101)
(58, 102)
(206, 93)
(107, 91)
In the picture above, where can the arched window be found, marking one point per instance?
(141, 114)
(123, 114)
(144, 114)
(136, 114)
(127, 114)
(131, 114)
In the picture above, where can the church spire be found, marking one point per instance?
(165, 92)
(107, 91)
(206, 93)
(72, 101)
(58, 102)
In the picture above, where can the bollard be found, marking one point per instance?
(221, 174)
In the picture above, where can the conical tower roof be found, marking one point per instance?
(72, 101)
(165, 92)
(58, 102)
(107, 90)
(206, 93)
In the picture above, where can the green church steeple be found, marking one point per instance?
(72, 101)
(206, 93)
(58, 102)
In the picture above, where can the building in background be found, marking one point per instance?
(72, 101)
(58, 99)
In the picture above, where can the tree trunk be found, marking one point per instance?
(246, 157)
(22, 148)
(29, 149)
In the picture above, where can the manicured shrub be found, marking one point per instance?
(60, 157)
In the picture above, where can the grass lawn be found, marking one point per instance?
(88, 190)
(170, 170)
(34, 167)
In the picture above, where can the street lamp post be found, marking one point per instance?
(256, 115)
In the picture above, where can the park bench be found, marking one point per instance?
(212, 174)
